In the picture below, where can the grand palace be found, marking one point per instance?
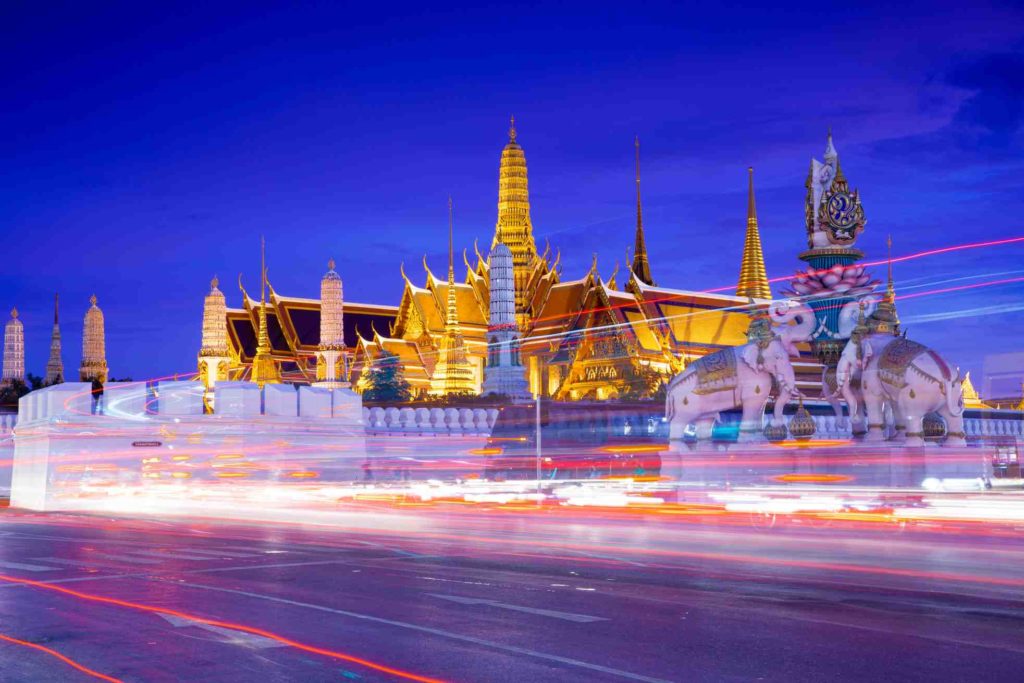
(587, 337)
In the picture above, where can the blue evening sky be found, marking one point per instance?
(146, 149)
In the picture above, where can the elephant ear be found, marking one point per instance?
(751, 355)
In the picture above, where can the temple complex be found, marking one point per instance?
(585, 337)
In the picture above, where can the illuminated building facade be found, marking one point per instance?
(14, 349)
(580, 338)
(94, 346)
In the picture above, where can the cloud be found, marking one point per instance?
(997, 105)
(985, 128)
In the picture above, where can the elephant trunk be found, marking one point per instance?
(954, 397)
(785, 394)
(851, 400)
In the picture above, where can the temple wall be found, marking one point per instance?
(154, 444)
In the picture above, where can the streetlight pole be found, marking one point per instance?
(537, 439)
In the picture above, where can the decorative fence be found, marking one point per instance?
(429, 421)
(580, 421)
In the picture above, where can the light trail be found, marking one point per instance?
(333, 654)
(67, 660)
(960, 288)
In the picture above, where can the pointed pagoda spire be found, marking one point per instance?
(264, 369)
(640, 266)
(453, 373)
(55, 364)
(753, 280)
(885, 318)
(514, 227)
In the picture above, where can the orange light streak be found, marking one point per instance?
(333, 654)
(812, 478)
(67, 660)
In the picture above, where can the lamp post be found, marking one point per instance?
(538, 449)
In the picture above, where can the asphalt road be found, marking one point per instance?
(505, 595)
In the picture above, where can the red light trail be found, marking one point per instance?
(67, 660)
(896, 259)
(333, 654)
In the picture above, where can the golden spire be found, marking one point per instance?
(264, 369)
(753, 280)
(512, 128)
(14, 312)
(514, 228)
(452, 374)
(451, 261)
(641, 267)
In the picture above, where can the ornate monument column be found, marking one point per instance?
(94, 347)
(55, 365)
(504, 373)
(14, 350)
(214, 357)
(329, 354)
(834, 284)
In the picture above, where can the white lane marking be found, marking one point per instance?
(125, 558)
(242, 638)
(555, 614)
(26, 567)
(433, 631)
(172, 555)
(230, 554)
(406, 553)
(78, 562)
(264, 566)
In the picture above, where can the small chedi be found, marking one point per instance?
(892, 386)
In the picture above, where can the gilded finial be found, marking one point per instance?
(92, 299)
(512, 128)
(330, 264)
(14, 312)
(214, 282)
(451, 257)
(890, 289)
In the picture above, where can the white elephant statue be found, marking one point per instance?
(741, 377)
(847, 371)
(907, 377)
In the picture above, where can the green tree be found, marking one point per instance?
(386, 382)
(35, 381)
(11, 391)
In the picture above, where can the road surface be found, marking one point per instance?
(506, 595)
